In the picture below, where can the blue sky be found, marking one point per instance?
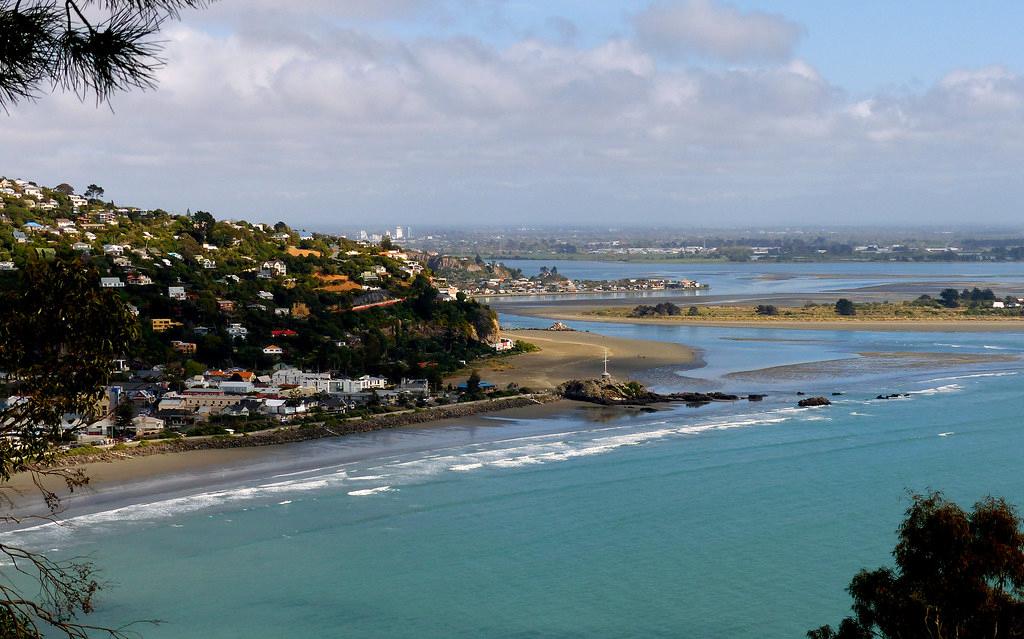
(667, 112)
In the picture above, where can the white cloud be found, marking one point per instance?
(707, 28)
(335, 123)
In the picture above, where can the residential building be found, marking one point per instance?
(272, 349)
(186, 348)
(162, 324)
(273, 268)
(176, 293)
(237, 331)
(111, 282)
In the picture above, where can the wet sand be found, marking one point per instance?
(870, 362)
(584, 314)
(566, 355)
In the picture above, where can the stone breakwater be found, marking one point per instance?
(316, 430)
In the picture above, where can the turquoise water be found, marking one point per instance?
(732, 520)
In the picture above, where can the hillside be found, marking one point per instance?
(218, 293)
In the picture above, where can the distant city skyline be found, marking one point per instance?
(372, 113)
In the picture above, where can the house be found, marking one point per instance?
(111, 282)
(20, 237)
(271, 349)
(32, 227)
(33, 191)
(282, 312)
(162, 324)
(265, 295)
(283, 332)
(81, 247)
(148, 425)
(64, 223)
(78, 200)
(373, 382)
(237, 330)
(273, 268)
(8, 266)
(185, 348)
(139, 279)
(503, 344)
(226, 306)
(300, 310)
(113, 249)
(206, 263)
(176, 293)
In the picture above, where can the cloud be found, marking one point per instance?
(337, 125)
(713, 30)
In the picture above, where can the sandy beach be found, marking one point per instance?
(566, 355)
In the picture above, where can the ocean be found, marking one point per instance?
(738, 519)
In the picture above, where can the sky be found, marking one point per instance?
(367, 113)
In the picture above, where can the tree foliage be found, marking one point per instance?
(59, 335)
(845, 307)
(89, 47)
(958, 575)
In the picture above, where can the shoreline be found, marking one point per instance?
(566, 355)
(1007, 325)
(182, 455)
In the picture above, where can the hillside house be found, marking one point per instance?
(272, 349)
(273, 268)
(237, 331)
(139, 279)
(111, 282)
(186, 348)
(161, 324)
(176, 293)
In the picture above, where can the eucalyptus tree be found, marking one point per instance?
(958, 575)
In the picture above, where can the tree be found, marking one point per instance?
(59, 333)
(385, 243)
(123, 416)
(957, 574)
(64, 188)
(949, 297)
(845, 307)
(94, 192)
(766, 309)
(202, 225)
(46, 44)
(473, 382)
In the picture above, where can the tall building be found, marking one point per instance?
(398, 233)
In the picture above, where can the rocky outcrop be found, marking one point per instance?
(893, 396)
(814, 401)
(611, 392)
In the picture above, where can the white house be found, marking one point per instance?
(237, 330)
(176, 293)
(271, 349)
(111, 282)
(503, 344)
(273, 268)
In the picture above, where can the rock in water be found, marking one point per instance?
(814, 401)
